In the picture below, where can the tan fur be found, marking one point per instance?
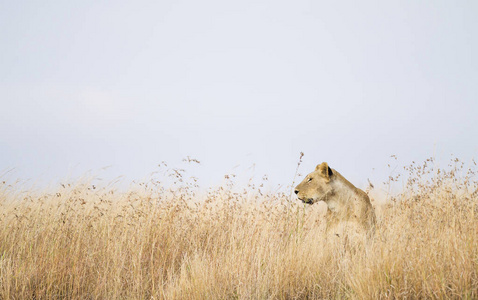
(344, 201)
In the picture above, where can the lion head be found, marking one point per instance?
(316, 185)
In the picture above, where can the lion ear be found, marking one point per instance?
(324, 170)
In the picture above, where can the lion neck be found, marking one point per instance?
(342, 192)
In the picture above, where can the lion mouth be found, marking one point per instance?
(307, 201)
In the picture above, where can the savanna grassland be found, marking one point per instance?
(176, 241)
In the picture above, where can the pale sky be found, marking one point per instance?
(128, 84)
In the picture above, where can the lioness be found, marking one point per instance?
(344, 201)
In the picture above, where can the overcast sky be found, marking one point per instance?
(128, 84)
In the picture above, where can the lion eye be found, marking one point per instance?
(309, 180)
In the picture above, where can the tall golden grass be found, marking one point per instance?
(155, 242)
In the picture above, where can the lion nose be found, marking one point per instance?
(296, 192)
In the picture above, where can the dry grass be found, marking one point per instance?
(153, 242)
